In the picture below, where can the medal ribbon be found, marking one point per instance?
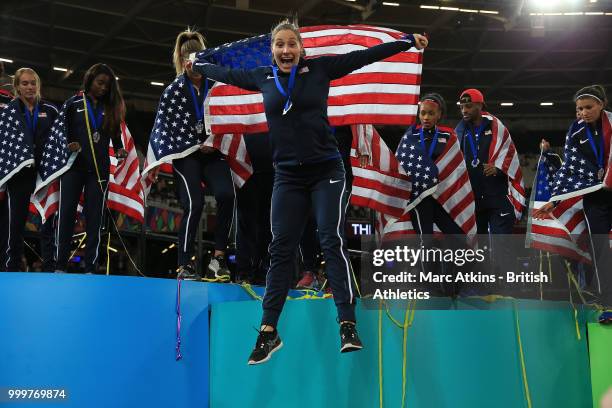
(95, 115)
(599, 154)
(433, 142)
(198, 109)
(290, 85)
(474, 146)
(31, 118)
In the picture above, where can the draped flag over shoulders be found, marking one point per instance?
(564, 232)
(14, 153)
(124, 191)
(385, 92)
(446, 179)
(56, 160)
(503, 154)
(578, 176)
(174, 136)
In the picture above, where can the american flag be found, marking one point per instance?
(174, 135)
(388, 228)
(502, 154)
(385, 92)
(382, 184)
(234, 148)
(564, 232)
(14, 153)
(445, 179)
(56, 160)
(124, 191)
(578, 176)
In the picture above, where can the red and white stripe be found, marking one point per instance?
(563, 232)
(454, 191)
(502, 153)
(234, 148)
(389, 228)
(385, 92)
(382, 184)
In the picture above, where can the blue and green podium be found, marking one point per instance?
(110, 342)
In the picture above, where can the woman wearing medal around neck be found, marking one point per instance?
(308, 168)
(38, 117)
(433, 140)
(93, 119)
(589, 136)
(203, 166)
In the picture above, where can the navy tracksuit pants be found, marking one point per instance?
(190, 172)
(297, 191)
(18, 191)
(253, 234)
(72, 183)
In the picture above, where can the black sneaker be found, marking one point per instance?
(187, 272)
(349, 340)
(267, 343)
(217, 270)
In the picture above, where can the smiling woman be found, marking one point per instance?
(309, 173)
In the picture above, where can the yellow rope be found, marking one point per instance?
(380, 356)
(93, 153)
(571, 300)
(79, 245)
(522, 356)
(108, 254)
(95, 161)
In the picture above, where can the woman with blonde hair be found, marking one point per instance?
(32, 119)
(194, 164)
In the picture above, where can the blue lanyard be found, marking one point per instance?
(199, 110)
(290, 85)
(433, 142)
(31, 118)
(95, 115)
(474, 147)
(599, 155)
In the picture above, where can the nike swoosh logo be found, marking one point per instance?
(270, 77)
(334, 181)
(584, 141)
(503, 214)
(82, 110)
